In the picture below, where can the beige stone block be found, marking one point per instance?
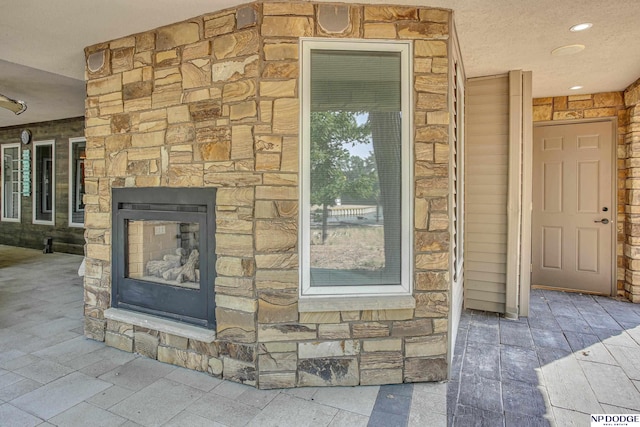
(328, 372)
(440, 65)
(143, 153)
(432, 304)
(279, 178)
(166, 98)
(380, 377)
(370, 330)
(276, 236)
(148, 139)
(215, 366)
(167, 57)
(277, 380)
(239, 286)
(235, 325)
(281, 52)
(277, 279)
(239, 91)
(94, 328)
(286, 332)
(237, 44)
(146, 344)
(230, 266)
(287, 8)
(104, 85)
(567, 115)
(225, 71)
(221, 24)
(381, 360)
(440, 326)
(166, 77)
(438, 118)
(177, 35)
(287, 26)
(317, 349)
(101, 252)
(121, 342)
(350, 316)
(243, 110)
(234, 244)
(194, 76)
(236, 303)
(390, 13)
(277, 308)
(426, 346)
(423, 30)
(382, 345)
(542, 113)
(382, 315)
(183, 358)
(430, 48)
(268, 162)
(431, 134)
(425, 369)
(608, 99)
(432, 187)
(278, 347)
(278, 89)
(434, 15)
(235, 196)
(170, 340)
(421, 213)
(432, 281)
(185, 176)
(275, 362)
(432, 83)
(232, 179)
(432, 261)
(290, 159)
(242, 142)
(279, 261)
(600, 112)
(380, 31)
(268, 192)
(438, 221)
(285, 116)
(320, 317)
(332, 331)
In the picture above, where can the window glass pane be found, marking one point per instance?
(43, 186)
(11, 182)
(355, 168)
(77, 181)
(164, 252)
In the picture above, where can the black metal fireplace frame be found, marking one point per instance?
(194, 306)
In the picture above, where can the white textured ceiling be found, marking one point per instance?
(42, 43)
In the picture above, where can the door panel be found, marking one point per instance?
(572, 194)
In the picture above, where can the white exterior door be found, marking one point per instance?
(573, 220)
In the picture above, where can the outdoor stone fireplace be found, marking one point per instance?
(214, 104)
(163, 252)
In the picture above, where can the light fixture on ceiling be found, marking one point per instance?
(581, 27)
(570, 49)
(17, 107)
(577, 87)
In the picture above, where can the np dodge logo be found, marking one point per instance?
(617, 420)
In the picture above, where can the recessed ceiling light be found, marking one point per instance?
(581, 27)
(576, 87)
(567, 50)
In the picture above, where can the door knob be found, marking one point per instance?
(603, 220)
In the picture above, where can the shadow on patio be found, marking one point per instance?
(573, 356)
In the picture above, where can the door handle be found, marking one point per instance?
(603, 220)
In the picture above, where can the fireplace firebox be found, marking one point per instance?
(163, 252)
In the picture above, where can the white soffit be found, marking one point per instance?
(42, 49)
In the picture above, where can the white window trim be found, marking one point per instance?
(34, 184)
(2, 202)
(72, 181)
(460, 149)
(405, 288)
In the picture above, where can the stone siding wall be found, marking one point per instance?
(215, 101)
(594, 106)
(25, 233)
(632, 207)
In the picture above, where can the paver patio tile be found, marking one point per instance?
(588, 347)
(285, 409)
(522, 398)
(191, 420)
(14, 417)
(611, 385)
(550, 339)
(137, 374)
(346, 418)
(200, 380)
(225, 410)
(519, 364)
(482, 359)
(517, 334)
(60, 395)
(479, 392)
(109, 397)
(84, 414)
(359, 400)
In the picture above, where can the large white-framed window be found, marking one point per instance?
(356, 168)
(44, 197)
(77, 154)
(11, 185)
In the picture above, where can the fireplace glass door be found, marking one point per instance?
(163, 248)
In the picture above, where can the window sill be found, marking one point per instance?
(342, 303)
(161, 325)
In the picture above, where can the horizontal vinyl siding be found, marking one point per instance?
(486, 179)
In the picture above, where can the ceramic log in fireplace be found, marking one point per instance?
(164, 252)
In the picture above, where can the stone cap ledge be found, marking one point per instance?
(348, 303)
(160, 325)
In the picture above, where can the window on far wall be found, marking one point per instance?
(11, 182)
(356, 168)
(77, 155)
(43, 183)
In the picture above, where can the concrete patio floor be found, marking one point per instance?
(573, 356)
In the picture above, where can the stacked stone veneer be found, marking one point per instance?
(214, 101)
(632, 207)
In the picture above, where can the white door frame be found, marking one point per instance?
(613, 121)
